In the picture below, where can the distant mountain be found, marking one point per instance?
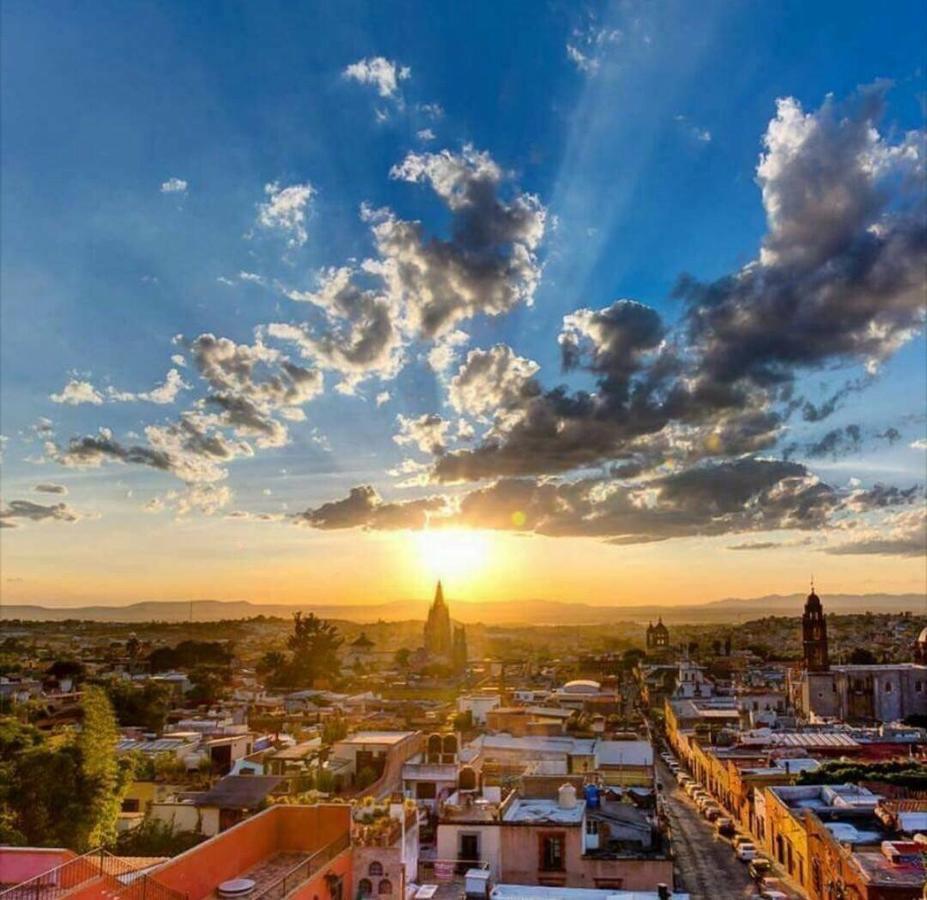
(503, 612)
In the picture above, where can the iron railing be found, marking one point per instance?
(61, 880)
(301, 872)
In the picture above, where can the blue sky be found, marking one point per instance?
(637, 128)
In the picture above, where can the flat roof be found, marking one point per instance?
(540, 811)
(376, 737)
(537, 892)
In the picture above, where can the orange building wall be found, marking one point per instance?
(317, 889)
(230, 854)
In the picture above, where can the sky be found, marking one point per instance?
(612, 303)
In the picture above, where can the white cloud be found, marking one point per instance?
(76, 392)
(919, 444)
(696, 132)
(383, 397)
(384, 74)
(433, 111)
(588, 47)
(425, 134)
(285, 211)
(164, 393)
(428, 432)
(174, 186)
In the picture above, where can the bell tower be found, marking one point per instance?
(814, 634)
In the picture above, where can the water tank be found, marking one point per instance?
(566, 796)
(592, 796)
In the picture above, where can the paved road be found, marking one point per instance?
(705, 864)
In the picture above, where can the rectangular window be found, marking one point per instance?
(551, 853)
(425, 790)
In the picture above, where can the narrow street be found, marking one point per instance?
(705, 864)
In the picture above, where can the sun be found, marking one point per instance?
(456, 554)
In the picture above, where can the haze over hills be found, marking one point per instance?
(503, 612)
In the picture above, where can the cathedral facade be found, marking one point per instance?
(444, 642)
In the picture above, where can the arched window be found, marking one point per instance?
(375, 870)
(386, 887)
(365, 887)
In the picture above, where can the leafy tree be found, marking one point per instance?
(862, 656)
(156, 838)
(401, 658)
(314, 644)
(105, 780)
(146, 706)
(15, 738)
(208, 687)
(68, 668)
(189, 655)
(271, 663)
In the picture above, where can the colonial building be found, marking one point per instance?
(863, 694)
(438, 640)
(657, 635)
(814, 635)
(442, 642)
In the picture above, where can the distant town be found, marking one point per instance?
(271, 757)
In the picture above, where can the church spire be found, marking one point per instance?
(439, 594)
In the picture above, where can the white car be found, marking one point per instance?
(745, 852)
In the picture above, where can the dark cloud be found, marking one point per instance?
(812, 413)
(756, 545)
(423, 286)
(836, 443)
(364, 508)
(747, 495)
(839, 279)
(46, 487)
(841, 273)
(892, 435)
(36, 512)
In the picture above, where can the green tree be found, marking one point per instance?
(146, 706)
(68, 668)
(314, 644)
(208, 687)
(156, 838)
(105, 778)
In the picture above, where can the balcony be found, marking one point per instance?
(286, 850)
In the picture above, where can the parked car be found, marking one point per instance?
(759, 868)
(741, 839)
(711, 812)
(724, 826)
(745, 852)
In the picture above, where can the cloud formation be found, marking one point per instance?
(284, 211)
(28, 511)
(174, 186)
(76, 392)
(364, 508)
(384, 74)
(839, 279)
(422, 287)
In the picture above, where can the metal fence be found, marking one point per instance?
(300, 873)
(63, 879)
